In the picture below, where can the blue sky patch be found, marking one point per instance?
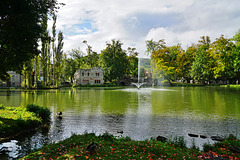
(80, 29)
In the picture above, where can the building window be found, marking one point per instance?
(13, 78)
(97, 81)
(97, 74)
(83, 74)
(88, 74)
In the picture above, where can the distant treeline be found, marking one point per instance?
(205, 62)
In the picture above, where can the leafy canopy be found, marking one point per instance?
(20, 30)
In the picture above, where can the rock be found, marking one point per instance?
(234, 149)
(192, 135)
(120, 132)
(217, 138)
(203, 137)
(161, 139)
(92, 147)
(59, 114)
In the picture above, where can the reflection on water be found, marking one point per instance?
(140, 114)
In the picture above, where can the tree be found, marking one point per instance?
(113, 61)
(59, 59)
(202, 68)
(92, 58)
(45, 52)
(54, 48)
(222, 53)
(20, 30)
(165, 60)
(185, 62)
(133, 62)
(71, 64)
(153, 46)
(236, 54)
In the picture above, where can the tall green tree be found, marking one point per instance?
(20, 26)
(236, 54)
(54, 17)
(92, 58)
(72, 63)
(185, 61)
(222, 53)
(165, 60)
(114, 61)
(153, 46)
(45, 51)
(202, 68)
(59, 59)
(133, 62)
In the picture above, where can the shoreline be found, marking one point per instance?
(106, 146)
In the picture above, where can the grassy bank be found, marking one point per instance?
(231, 86)
(15, 120)
(109, 147)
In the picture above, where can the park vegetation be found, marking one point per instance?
(110, 147)
(205, 62)
(47, 66)
(15, 120)
(21, 28)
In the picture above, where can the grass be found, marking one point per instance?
(231, 86)
(108, 86)
(110, 147)
(14, 120)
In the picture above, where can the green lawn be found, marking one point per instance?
(14, 120)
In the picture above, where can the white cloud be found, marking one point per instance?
(135, 21)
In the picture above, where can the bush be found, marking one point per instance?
(2, 106)
(107, 136)
(207, 147)
(178, 141)
(42, 112)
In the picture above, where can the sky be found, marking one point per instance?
(135, 21)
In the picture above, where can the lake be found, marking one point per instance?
(139, 113)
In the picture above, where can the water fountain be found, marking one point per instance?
(138, 84)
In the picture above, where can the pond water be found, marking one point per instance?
(139, 113)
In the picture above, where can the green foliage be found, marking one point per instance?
(20, 30)
(59, 59)
(2, 106)
(165, 61)
(133, 62)
(114, 61)
(115, 148)
(107, 136)
(42, 112)
(16, 118)
(207, 147)
(203, 63)
(178, 141)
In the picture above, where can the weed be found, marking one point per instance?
(107, 136)
(42, 112)
(2, 106)
(178, 141)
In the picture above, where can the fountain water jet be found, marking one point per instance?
(138, 84)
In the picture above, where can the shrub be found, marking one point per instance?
(2, 106)
(178, 141)
(107, 136)
(42, 112)
(207, 147)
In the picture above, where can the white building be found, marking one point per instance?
(14, 81)
(89, 76)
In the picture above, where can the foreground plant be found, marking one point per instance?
(110, 147)
(14, 120)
